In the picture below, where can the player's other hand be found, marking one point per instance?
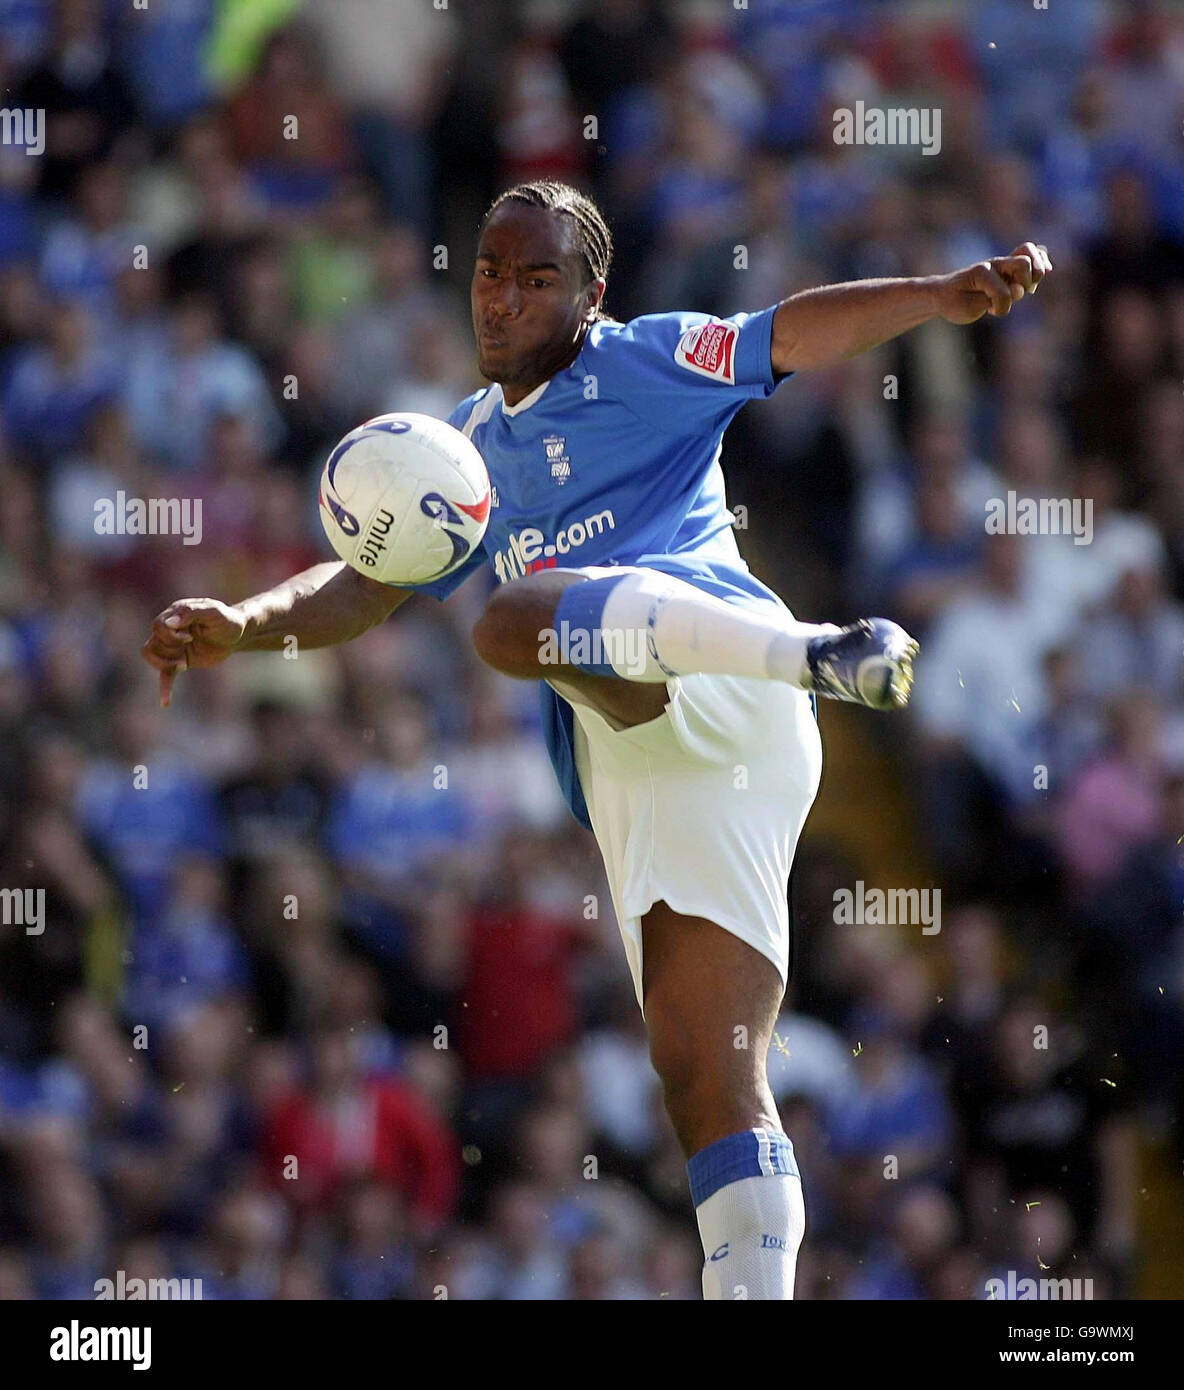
(190, 634)
(992, 287)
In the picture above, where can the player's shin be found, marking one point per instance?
(643, 625)
(748, 1203)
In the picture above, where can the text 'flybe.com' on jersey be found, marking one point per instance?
(530, 551)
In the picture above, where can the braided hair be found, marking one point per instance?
(595, 241)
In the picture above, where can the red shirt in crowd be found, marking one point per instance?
(518, 1001)
(378, 1129)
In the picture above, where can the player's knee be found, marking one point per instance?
(517, 616)
(487, 639)
(500, 636)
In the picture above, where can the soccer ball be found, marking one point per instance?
(404, 499)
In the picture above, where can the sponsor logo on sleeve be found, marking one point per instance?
(710, 350)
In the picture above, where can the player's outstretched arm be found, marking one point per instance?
(821, 327)
(327, 604)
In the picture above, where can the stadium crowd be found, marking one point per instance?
(327, 1000)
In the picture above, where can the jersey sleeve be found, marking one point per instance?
(446, 587)
(684, 372)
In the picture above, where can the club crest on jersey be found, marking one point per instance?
(710, 350)
(556, 447)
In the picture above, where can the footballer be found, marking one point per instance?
(602, 441)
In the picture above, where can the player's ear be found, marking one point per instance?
(594, 295)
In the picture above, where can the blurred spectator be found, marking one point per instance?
(537, 128)
(375, 1261)
(1039, 1113)
(390, 821)
(623, 1089)
(374, 340)
(392, 57)
(142, 808)
(611, 46)
(277, 806)
(289, 127)
(1139, 641)
(241, 1259)
(941, 562)
(1112, 805)
(333, 267)
(79, 86)
(435, 373)
(518, 986)
(164, 53)
(83, 257)
(192, 956)
(174, 396)
(979, 695)
(506, 778)
(1070, 731)
(528, 1266)
(895, 1107)
(53, 388)
(923, 1235)
(340, 1126)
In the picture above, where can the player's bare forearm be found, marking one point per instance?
(820, 327)
(319, 607)
(828, 325)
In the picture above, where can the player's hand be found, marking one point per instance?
(190, 634)
(992, 287)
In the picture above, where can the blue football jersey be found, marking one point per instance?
(615, 461)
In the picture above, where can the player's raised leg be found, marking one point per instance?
(711, 1002)
(643, 626)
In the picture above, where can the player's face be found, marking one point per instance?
(531, 297)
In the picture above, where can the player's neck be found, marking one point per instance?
(516, 391)
(514, 395)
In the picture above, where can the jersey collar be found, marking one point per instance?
(527, 401)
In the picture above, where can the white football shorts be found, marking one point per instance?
(702, 807)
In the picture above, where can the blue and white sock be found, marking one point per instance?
(748, 1202)
(646, 626)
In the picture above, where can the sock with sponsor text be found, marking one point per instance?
(748, 1202)
(647, 626)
